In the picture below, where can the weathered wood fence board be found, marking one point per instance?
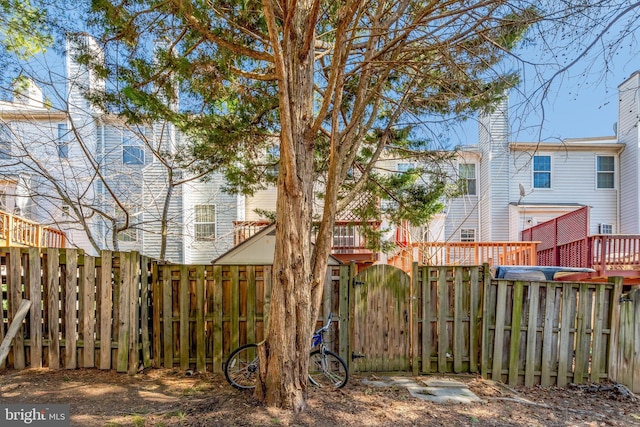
(625, 366)
(124, 311)
(551, 336)
(87, 312)
(448, 318)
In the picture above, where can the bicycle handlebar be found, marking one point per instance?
(325, 328)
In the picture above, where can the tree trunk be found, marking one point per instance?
(288, 338)
(284, 357)
(165, 216)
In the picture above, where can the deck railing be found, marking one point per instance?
(465, 253)
(242, 230)
(617, 253)
(17, 231)
(347, 238)
(476, 253)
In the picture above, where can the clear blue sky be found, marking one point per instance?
(575, 107)
(581, 102)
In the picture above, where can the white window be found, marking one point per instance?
(605, 229)
(541, 171)
(205, 223)
(62, 143)
(468, 235)
(467, 173)
(132, 149)
(344, 236)
(605, 172)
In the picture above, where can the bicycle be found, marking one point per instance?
(326, 369)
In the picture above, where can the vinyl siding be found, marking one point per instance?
(154, 196)
(263, 200)
(629, 162)
(205, 193)
(462, 213)
(494, 174)
(573, 181)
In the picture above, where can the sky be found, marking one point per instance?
(580, 103)
(583, 101)
(574, 108)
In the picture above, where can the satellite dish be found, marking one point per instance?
(522, 192)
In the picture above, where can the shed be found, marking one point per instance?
(258, 249)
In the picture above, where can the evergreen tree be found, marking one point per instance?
(339, 85)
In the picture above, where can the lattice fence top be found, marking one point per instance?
(349, 214)
(567, 228)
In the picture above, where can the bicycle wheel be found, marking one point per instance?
(241, 369)
(327, 369)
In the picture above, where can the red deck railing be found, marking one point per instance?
(615, 254)
(17, 231)
(608, 254)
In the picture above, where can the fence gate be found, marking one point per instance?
(380, 338)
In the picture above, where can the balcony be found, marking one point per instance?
(242, 230)
(17, 231)
(608, 254)
(464, 253)
(348, 242)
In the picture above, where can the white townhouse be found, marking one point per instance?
(80, 170)
(522, 184)
(512, 186)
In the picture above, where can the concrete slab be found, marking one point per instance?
(437, 390)
(443, 383)
(445, 394)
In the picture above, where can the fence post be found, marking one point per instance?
(347, 312)
(124, 326)
(14, 296)
(184, 304)
(614, 336)
(70, 313)
(200, 327)
(145, 338)
(218, 348)
(106, 308)
(474, 316)
(35, 285)
(414, 305)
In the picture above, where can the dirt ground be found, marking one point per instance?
(161, 397)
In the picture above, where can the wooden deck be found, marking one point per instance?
(610, 255)
(464, 253)
(20, 232)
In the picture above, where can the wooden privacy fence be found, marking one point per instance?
(549, 333)
(123, 311)
(86, 312)
(625, 363)
(448, 318)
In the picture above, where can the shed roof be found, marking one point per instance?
(258, 249)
